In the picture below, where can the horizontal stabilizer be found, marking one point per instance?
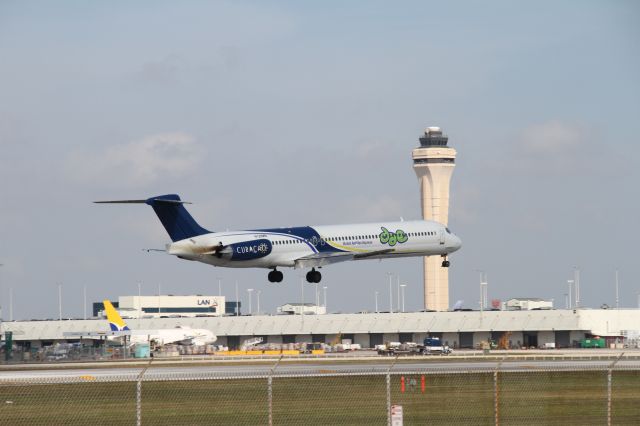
(171, 212)
(122, 202)
(149, 201)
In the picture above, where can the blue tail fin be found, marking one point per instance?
(174, 217)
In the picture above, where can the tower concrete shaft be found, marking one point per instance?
(433, 162)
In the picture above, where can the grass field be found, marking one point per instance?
(567, 398)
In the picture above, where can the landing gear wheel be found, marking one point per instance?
(445, 263)
(314, 276)
(275, 276)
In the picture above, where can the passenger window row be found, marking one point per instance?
(352, 238)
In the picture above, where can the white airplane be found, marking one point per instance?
(298, 247)
(181, 335)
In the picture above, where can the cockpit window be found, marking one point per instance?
(447, 229)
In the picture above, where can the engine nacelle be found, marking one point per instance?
(249, 250)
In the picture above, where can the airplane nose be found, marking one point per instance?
(454, 242)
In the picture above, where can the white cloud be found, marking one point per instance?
(551, 148)
(552, 137)
(138, 163)
(164, 71)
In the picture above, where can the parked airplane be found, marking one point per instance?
(298, 247)
(181, 334)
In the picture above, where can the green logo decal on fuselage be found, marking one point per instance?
(392, 238)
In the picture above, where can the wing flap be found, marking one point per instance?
(322, 259)
(373, 253)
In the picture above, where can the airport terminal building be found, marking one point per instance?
(462, 329)
(170, 306)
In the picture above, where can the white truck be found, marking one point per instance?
(433, 345)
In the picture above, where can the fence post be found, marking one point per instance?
(270, 390)
(609, 397)
(270, 398)
(495, 397)
(609, 374)
(389, 390)
(139, 402)
(388, 399)
(139, 394)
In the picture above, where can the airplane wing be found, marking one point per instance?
(322, 259)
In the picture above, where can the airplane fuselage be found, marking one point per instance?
(182, 336)
(270, 248)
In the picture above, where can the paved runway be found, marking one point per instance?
(190, 371)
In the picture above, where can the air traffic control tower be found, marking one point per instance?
(433, 162)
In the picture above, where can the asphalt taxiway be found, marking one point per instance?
(202, 370)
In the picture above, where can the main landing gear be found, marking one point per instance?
(314, 276)
(275, 276)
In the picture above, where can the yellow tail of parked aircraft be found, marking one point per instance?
(115, 320)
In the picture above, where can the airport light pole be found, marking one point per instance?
(617, 294)
(390, 294)
(402, 286)
(483, 290)
(139, 302)
(325, 297)
(258, 296)
(301, 296)
(250, 291)
(376, 297)
(237, 300)
(481, 272)
(398, 294)
(1, 288)
(485, 299)
(570, 284)
(576, 283)
(60, 301)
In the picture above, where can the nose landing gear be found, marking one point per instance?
(275, 276)
(314, 276)
(445, 262)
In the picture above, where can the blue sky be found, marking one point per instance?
(288, 113)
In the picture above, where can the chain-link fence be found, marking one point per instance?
(332, 396)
